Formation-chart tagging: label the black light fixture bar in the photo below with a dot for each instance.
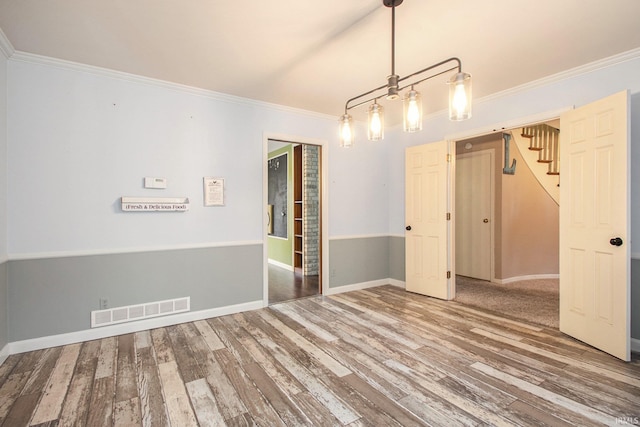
(458, 67)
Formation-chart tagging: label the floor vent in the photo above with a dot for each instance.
(130, 313)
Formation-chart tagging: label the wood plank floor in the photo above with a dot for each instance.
(285, 285)
(377, 357)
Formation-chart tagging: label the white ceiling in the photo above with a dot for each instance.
(315, 55)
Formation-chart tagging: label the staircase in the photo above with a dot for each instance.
(545, 140)
(539, 145)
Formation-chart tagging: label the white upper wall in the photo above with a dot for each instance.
(539, 99)
(80, 140)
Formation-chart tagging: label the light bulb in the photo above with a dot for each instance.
(346, 132)
(412, 111)
(376, 122)
(376, 125)
(460, 99)
(346, 135)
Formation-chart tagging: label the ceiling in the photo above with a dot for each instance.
(314, 55)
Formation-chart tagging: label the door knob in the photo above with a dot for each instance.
(486, 220)
(616, 241)
(408, 228)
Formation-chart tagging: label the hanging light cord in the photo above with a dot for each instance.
(393, 39)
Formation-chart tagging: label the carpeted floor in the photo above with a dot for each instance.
(535, 301)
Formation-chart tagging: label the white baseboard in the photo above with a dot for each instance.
(635, 345)
(4, 353)
(280, 264)
(126, 328)
(398, 283)
(356, 286)
(529, 277)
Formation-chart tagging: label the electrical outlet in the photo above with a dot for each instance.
(104, 303)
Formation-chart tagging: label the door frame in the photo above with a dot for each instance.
(492, 189)
(478, 132)
(324, 208)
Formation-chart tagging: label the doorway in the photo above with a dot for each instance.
(591, 230)
(523, 222)
(294, 218)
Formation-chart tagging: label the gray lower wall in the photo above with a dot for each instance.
(358, 260)
(396, 258)
(4, 316)
(56, 295)
(365, 259)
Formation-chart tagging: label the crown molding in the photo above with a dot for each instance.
(548, 80)
(10, 52)
(590, 67)
(5, 45)
(134, 78)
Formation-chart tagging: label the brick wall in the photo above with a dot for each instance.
(311, 209)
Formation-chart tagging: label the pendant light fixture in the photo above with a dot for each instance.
(346, 132)
(376, 122)
(459, 94)
(412, 109)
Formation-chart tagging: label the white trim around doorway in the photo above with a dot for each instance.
(324, 202)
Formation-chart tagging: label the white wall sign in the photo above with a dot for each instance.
(213, 191)
(155, 204)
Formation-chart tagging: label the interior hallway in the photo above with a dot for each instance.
(285, 285)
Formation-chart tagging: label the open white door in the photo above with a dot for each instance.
(427, 177)
(594, 225)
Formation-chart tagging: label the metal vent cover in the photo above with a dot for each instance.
(111, 316)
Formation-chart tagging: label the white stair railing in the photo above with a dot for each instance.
(539, 148)
(545, 140)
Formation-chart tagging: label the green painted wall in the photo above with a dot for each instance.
(279, 249)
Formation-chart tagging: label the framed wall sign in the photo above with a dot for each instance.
(213, 191)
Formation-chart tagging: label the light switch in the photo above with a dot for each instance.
(151, 182)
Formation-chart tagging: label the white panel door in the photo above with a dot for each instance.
(426, 245)
(474, 173)
(594, 213)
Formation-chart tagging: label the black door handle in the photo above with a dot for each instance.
(408, 228)
(616, 241)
